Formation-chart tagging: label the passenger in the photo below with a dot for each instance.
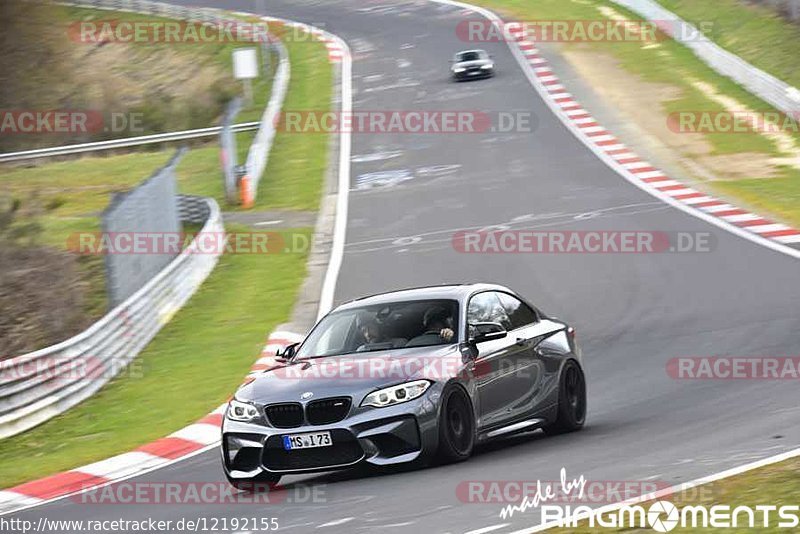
(371, 331)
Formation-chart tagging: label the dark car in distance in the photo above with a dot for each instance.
(471, 65)
(407, 375)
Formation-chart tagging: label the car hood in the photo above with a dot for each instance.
(352, 375)
(476, 63)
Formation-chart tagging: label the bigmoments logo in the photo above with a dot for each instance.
(663, 516)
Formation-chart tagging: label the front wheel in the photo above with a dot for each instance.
(456, 426)
(571, 401)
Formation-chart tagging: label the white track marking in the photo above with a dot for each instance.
(342, 200)
(336, 522)
(488, 529)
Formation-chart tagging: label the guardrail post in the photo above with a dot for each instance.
(246, 196)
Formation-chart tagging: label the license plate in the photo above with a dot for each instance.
(474, 72)
(309, 440)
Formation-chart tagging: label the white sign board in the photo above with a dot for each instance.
(245, 63)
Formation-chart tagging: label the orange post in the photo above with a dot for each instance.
(245, 194)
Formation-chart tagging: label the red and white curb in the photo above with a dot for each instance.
(195, 438)
(334, 45)
(629, 164)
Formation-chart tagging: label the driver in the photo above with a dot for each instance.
(438, 321)
(438, 328)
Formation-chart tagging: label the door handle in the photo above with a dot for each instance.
(522, 342)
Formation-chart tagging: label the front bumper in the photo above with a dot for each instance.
(473, 74)
(376, 436)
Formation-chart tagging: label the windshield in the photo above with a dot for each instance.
(472, 55)
(397, 325)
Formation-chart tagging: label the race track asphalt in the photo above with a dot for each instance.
(633, 312)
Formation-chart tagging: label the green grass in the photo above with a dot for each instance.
(309, 89)
(777, 196)
(756, 33)
(671, 64)
(192, 365)
(777, 485)
(200, 357)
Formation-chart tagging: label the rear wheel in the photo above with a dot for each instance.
(571, 401)
(456, 426)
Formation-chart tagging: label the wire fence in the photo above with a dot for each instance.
(37, 386)
(151, 208)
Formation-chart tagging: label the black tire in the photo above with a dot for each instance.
(571, 401)
(262, 483)
(456, 426)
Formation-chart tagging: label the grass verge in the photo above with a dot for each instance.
(752, 168)
(204, 352)
(756, 33)
(774, 485)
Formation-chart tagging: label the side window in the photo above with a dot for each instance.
(520, 313)
(487, 308)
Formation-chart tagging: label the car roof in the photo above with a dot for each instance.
(445, 291)
(475, 50)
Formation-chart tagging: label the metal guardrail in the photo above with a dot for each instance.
(778, 93)
(37, 386)
(127, 142)
(258, 155)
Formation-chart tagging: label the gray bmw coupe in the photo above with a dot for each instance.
(402, 376)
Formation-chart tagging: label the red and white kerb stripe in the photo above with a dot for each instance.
(640, 169)
(198, 435)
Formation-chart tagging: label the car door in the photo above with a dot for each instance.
(527, 332)
(500, 388)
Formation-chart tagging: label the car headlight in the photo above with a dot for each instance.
(242, 411)
(396, 394)
(459, 69)
(487, 66)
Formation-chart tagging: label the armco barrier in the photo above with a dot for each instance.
(125, 142)
(258, 154)
(40, 385)
(779, 94)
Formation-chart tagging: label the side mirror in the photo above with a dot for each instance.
(287, 353)
(487, 332)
